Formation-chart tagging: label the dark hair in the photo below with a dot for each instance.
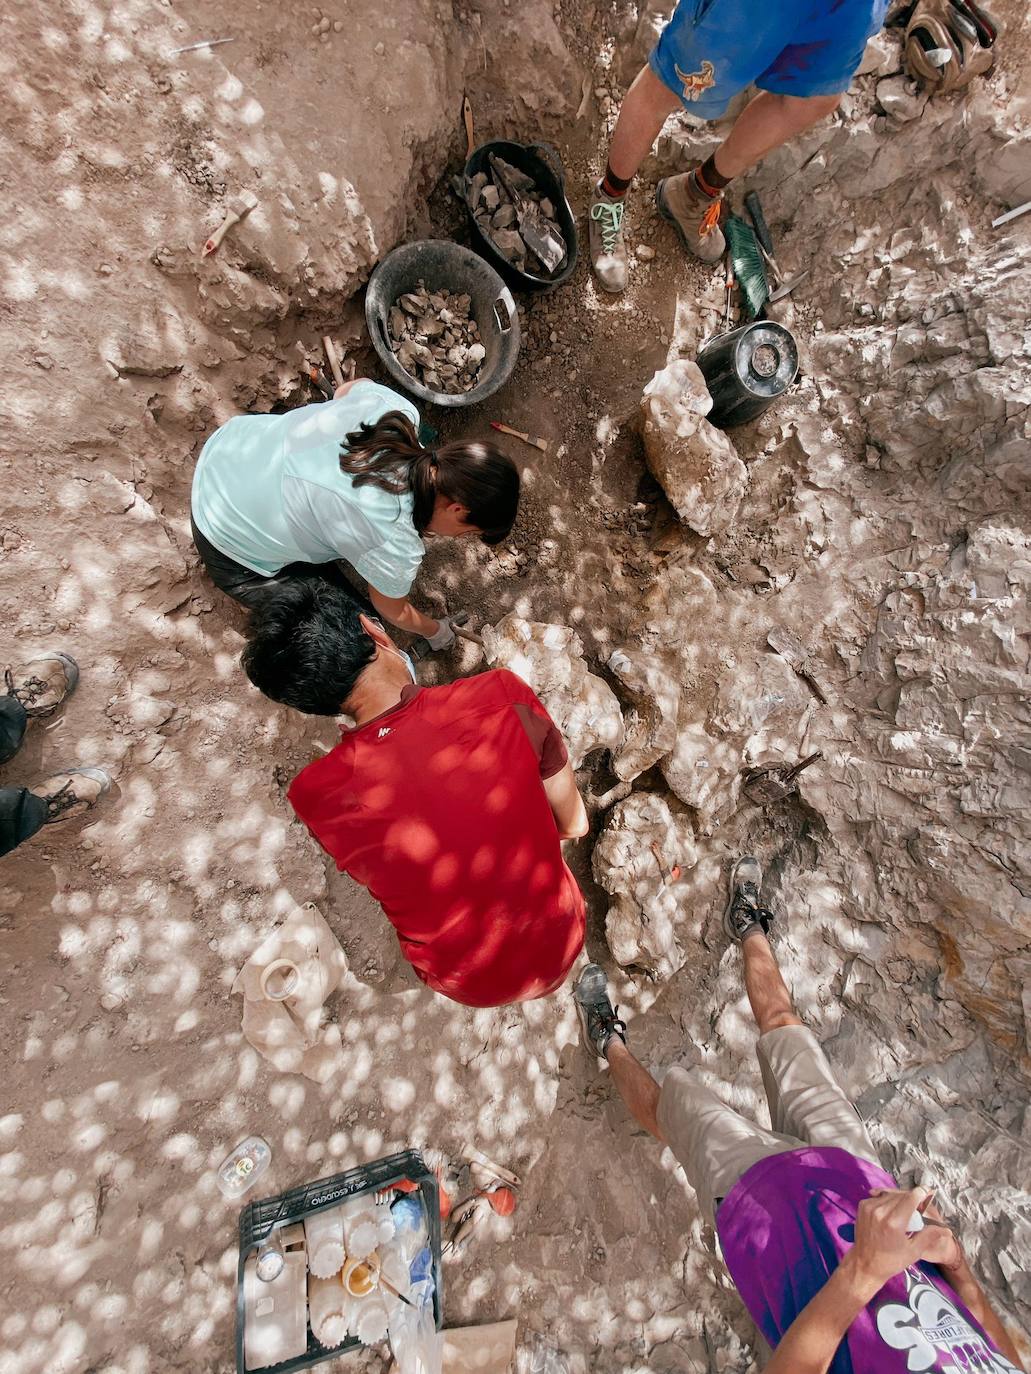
(475, 475)
(306, 647)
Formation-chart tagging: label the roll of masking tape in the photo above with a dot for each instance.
(279, 979)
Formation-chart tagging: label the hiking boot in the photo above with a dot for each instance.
(694, 215)
(745, 915)
(41, 684)
(608, 251)
(72, 792)
(598, 1018)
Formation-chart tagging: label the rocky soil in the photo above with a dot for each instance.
(880, 513)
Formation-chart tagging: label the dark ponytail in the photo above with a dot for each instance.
(476, 475)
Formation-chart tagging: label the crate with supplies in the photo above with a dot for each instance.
(345, 1261)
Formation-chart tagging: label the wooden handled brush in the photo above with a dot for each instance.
(542, 444)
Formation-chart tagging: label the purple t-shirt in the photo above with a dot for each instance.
(785, 1225)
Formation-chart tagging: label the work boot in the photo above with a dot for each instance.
(694, 215)
(608, 251)
(72, 792)
(598, 1018)
(41, 684)
(745, 914)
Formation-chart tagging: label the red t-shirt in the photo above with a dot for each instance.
(436, 806)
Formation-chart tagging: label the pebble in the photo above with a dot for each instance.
(600, 92)
(645, 252)
(316, 28)
(338, 26)
(323, 37)
(380, 49)
(324, 25)
(43, 360)
(105, 269)
(110, 1000)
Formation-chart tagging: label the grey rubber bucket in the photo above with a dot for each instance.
(440, 263)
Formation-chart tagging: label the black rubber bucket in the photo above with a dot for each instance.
(747, 369)
(441, 263)
(541, 162)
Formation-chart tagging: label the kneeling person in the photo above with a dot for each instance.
(448, 803)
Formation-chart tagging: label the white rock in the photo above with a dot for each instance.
(649, 909)
(549, 659)
(900, 98)
(651, 727)
(881, 55)
(695, 463)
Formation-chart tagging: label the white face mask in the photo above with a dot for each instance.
(411, 665)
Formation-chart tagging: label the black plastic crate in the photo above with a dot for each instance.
(258, 1220)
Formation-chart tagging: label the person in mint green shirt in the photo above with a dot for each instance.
(277, 497)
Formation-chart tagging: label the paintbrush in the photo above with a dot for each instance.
(542, 444)
(384, 1283)
(239, 208)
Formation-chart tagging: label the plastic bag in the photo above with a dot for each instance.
(414, 1340)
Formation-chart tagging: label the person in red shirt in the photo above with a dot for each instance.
(450, 804)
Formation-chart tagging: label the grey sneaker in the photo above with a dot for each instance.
(72, 792)
(42, 684)
(694, 215)
(608, 251)
(745, 915)
(598, 1018)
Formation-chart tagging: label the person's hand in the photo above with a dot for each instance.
(952, 1261)
(884, 1247)
(443, 637)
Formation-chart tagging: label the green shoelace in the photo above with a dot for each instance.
(609, 215)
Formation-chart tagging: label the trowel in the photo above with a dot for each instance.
(793, 653)
(777, 781)
(533, 228)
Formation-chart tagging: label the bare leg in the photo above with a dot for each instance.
(768, 995)
(637, 1087)
(645, 108)
(764, 124)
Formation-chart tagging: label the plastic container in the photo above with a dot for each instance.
(258, 1219)
(242, 1167)
(440, 263)
(746, 370)
(541, 162)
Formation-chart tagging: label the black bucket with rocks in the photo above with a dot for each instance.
(521, 220)
(443, 322)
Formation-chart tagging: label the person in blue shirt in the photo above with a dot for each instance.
(277, 497)
(801, 54)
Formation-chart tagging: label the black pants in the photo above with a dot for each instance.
(21, 811)
(251, 589)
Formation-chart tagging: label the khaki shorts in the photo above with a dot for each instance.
(807, 1107)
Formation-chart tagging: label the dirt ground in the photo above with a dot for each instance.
(885, 519)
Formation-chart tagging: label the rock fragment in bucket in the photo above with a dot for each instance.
(436, 340)
(517, 218)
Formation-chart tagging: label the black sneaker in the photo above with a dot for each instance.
(745, 913)
(597, 1015)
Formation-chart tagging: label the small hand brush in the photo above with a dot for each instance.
(531, 439)
(749, 268)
